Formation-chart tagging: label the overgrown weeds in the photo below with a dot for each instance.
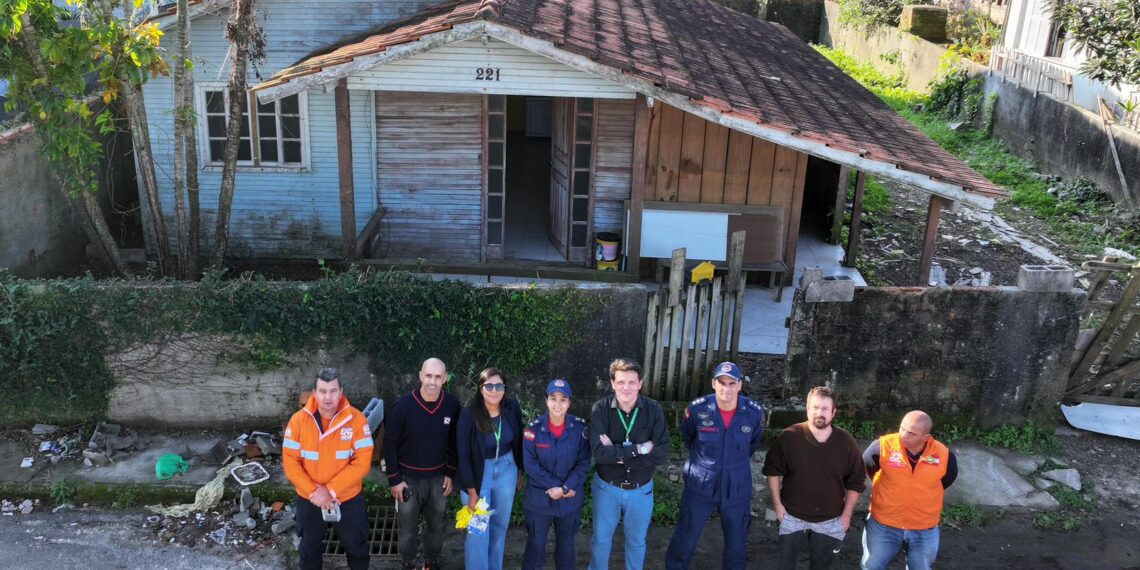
(963, 515)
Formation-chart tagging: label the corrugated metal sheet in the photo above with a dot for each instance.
(430, 175)
(614, 163)
(496, 68)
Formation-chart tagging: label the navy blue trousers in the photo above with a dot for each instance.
(696, 510)
(352, 530)
(565, 529)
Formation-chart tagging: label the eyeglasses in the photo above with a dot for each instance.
(494, 387)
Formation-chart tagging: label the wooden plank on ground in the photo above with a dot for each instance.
(929, 241)
(692, 157)
(669, 151)
(760, 172)
(736, 168)
(714, 162)
(856, 220)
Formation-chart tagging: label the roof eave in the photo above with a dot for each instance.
(168, 20)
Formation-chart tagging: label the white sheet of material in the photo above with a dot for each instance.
(1121, 421)
(703, 234)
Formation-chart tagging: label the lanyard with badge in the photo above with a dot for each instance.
(628, 427)
(498, 435)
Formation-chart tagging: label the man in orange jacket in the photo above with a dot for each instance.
(327, 451)
(909, 471)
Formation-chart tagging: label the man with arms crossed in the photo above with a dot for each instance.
(420, 458)
(815, 473)
(909, 471)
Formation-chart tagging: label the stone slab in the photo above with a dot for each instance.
(985, 479)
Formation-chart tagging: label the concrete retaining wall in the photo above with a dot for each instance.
(183, 382)
(990, 356)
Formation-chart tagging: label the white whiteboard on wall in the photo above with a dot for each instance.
(703, 234)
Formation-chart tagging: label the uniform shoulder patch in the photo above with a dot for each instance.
(535, 422)
(528, 434)
(697, 402)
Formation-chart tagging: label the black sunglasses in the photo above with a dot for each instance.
(497, 387)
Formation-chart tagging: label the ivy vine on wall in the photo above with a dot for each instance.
(55, 335)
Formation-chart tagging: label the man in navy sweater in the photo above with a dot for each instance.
(420, 459)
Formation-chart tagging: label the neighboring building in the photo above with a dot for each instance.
(479, 131)
(1033, 50)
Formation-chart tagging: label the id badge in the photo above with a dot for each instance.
(626, 443)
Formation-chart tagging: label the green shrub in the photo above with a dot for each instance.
(868, 14)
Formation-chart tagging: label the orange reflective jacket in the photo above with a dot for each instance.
(339, 458)
(906, 498)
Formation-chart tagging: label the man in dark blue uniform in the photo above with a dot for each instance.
(721, 431)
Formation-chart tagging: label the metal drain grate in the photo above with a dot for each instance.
(383, 536)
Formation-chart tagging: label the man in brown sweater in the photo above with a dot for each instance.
(815, 473)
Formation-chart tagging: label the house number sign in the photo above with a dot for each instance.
(486, 74)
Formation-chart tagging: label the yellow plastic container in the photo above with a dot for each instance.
(609, 265)
(702, 272)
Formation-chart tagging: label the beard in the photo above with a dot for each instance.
(820, 422)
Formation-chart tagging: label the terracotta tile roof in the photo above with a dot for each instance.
(753, 69)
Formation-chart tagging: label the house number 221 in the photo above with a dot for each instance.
(487, 74)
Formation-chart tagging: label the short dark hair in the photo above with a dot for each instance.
(822, 392)
(328, 374)
(624, 365)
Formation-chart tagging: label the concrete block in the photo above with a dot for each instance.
(830, 289)
(1045, 278)
(927, 22)
(809, 276)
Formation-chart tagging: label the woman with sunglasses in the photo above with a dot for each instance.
(489, 441)
(556, 454)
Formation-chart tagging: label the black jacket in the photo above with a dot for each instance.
(470, 442)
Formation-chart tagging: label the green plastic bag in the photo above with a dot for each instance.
(170, 465)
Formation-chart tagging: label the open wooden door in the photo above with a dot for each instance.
(560, 146)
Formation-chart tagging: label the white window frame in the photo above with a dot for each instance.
(254, 165)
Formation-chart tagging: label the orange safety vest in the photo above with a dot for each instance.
(339, 458)
(905, 498)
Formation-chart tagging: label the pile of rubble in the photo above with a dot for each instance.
(110, 443)
(247, 521)
(24, 507)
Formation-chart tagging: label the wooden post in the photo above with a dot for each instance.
(931, 239)
(1108, 329)
(676, 312)
(688, 326)
(700, 348)
(840, 203)
(652, 337)
(735, 284)
(856, 221)
(344, 167)
(735, 259)
(637, 185)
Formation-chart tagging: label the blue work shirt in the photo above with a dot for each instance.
(555, 462)
(719, 455)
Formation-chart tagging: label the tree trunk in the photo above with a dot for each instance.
(86, 206)
(181, 125)
(192, 169)
(244, 34)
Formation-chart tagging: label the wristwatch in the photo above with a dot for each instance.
(642, 450)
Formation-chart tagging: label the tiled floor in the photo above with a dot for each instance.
(763, 328)
(528, 201)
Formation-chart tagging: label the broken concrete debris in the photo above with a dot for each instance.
(44, 429)
(283, 524)
(24, 507)
(27, 462)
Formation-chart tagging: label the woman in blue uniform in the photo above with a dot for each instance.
(489, 442)
(556, 455)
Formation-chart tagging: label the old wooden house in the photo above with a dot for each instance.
(493, 132)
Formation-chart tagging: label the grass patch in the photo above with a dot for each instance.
(1060, 521)
(1026, 438)
(962, 515)
(1087, 225)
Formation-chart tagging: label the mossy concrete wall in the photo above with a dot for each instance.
(187, 381)
(993, 355)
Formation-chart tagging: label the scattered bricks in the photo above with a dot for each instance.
(244, 519)
(246, 500)
(218, 454)
(95, 458)
(267, 445)
(237, 446)
(277, 506)
(252, 451)
(285, 523)
(1045, 278)
(927, 22)
(26, 507)
(7, 506)
(44, 429)
(830, 289)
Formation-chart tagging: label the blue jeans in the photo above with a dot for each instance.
(881, 543)
(634, 508)
(485, 551)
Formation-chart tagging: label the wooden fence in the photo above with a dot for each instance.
(692, 327)
(1040, 75)
(1108, 370)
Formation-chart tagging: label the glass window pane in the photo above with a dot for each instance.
(292, 151)
(578, 235)
(245, 126)
(585, 105)
(290, 105)
(495, 154)
(582, 155)
(243, 150)
(265, 108)
(217, 150)
(495, 123)
(216, 125)
(494, 180)
(291, 127)
(215, 102)
(581, 183)
(495, 207)
(581, 209)
(494, 233)
(497, 102)
(268, 150)
(584, 126)
(267, 126)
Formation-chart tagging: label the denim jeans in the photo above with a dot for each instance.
(633, 508)
(881, 543)
(485, 551)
